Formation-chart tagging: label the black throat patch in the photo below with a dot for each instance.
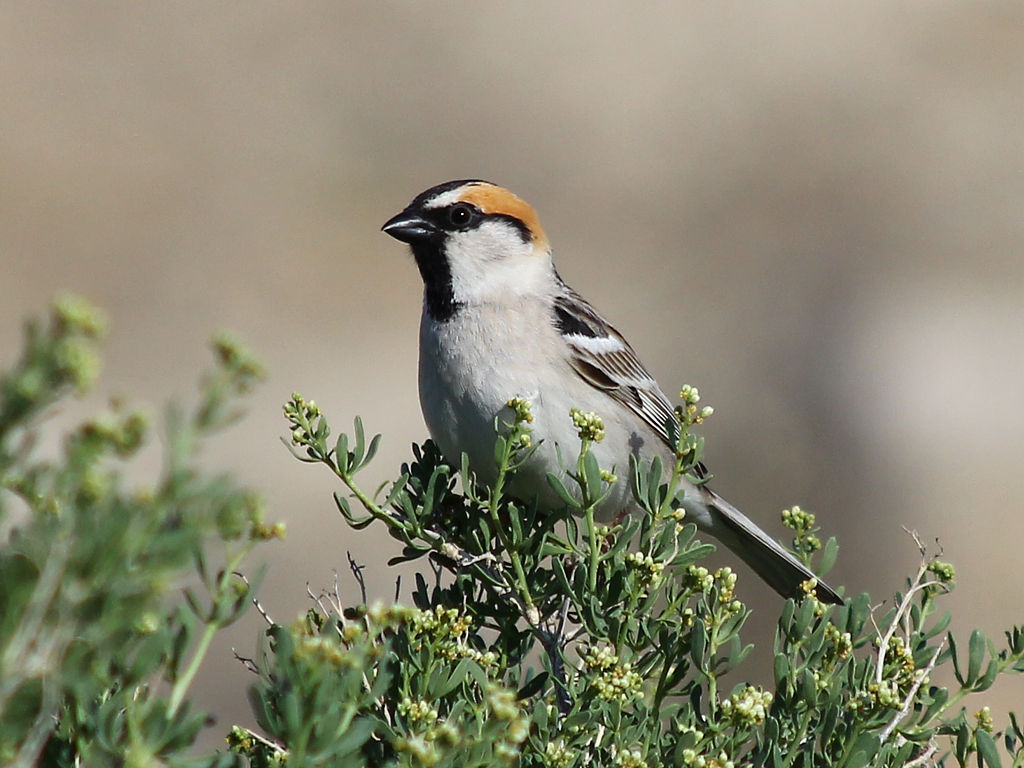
(437, 281)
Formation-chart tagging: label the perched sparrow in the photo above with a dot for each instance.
(498, 322)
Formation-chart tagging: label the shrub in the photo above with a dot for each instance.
(534, 637)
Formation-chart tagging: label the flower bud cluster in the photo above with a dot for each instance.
(244, 368)
(521, 413)
(323, 650)
(504, 706)
(613, 679)
(726, 579)
(883, 695)
(589, 425)
(123, 433)
(686, 617)
(900, 660)
(648, 569)
(245, 742)
(422, 748)
(747, 707)
(984, 719)
(440, 624)
(842, 642)
(521, 416)
(801, 522)
(445, 628)
(693, 759)
(65, 355)
(943, 571)
(261, 531)
(418, 713)
(630, 758)
(558, 755)
(76, 316)
(723, 581)
(699, 578)
(77, 362)
(384, 616)
(809, 588)
(301, 414)
(688, 413)
(899, 676)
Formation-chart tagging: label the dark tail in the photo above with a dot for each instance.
(779, 569)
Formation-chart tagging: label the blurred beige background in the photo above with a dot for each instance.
(814, 212)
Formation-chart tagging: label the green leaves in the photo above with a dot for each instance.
(539, 636)
(97, 659)
(979, 647)
(380, 685)
(303, 705)
(618, 641)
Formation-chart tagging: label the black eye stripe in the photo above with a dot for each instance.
(443, 218)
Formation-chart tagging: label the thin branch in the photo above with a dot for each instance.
(357, 571)
(247, 662)
(318, 599)
(554, 646)
(908, 701)
(335, 597)
(903, 609)
(255, 601)
(925, 757)
(269, 743)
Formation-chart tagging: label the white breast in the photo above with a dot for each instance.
(469, 368)
(472, 364)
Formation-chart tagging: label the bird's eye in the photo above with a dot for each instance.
(460, 215)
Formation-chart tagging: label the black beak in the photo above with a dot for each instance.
(410, 227)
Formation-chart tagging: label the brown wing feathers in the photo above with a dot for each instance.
(603, 358)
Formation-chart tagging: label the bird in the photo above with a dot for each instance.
(499, 322)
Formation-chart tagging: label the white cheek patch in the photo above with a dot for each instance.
(492, 261)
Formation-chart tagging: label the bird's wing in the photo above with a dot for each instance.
(604, 359)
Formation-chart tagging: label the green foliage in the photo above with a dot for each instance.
(534, 637)
(381, 685)
(97, 650)
(620, 648)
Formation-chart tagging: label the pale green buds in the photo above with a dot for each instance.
(589, 425)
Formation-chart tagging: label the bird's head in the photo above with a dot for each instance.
(474, 243)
